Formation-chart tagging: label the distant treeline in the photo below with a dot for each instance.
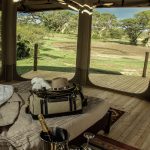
(32, 27)
(104, 25)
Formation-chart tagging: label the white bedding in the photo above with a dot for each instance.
(24, 134)
(6, 91)
(9, 111)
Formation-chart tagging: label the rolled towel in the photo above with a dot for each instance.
(39, 83)
(36, 80)
(36, 86)
(46, 85)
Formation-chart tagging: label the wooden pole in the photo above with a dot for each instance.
(35, 57)
(83, 48)
(9, 14)
(145, 64)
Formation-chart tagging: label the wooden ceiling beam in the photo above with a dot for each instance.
(51, 4)
(77, 4)
(42, 9)
(32, 2)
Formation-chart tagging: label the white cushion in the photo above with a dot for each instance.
(6, 91)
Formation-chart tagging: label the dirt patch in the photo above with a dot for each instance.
(65, 45)
(118, 49)
(108, 48)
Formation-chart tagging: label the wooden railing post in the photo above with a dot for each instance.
(35, 57)
(145, 64)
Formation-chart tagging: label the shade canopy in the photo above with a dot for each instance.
(41, 5)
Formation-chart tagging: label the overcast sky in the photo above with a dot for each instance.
(122, 13)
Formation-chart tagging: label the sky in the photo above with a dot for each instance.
(122, 13)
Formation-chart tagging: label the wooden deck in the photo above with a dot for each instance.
(123, 83)
(131, 84)
(47, 75)
(133, 128)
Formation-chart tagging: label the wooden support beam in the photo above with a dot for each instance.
(83, 46)
(9, 13)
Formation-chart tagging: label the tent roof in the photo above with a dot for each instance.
(40, 5)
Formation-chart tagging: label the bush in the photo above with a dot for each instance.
(23, 48)
(116, 33)
(31, 34)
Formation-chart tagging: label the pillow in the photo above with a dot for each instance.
(6, 91)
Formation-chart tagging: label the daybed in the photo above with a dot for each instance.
(24, 133)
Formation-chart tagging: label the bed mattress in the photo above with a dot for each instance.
(24, 133)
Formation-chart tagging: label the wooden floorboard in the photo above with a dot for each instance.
(133, 127)
(124, 83)
(130, 84)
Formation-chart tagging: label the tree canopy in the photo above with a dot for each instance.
(33, 27)
(103, 24)
(134, 27)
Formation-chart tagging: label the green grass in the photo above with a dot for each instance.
(50, 57)
(117, 65)
(58, 53)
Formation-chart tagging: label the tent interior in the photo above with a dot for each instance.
(107, 96)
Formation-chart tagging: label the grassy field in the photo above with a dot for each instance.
(58, 53)
(51, 57)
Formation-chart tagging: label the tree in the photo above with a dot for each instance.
(146, 40)
(135, 26)
(71, 26)
(103, 23)
(55, 21)
(116, 33)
